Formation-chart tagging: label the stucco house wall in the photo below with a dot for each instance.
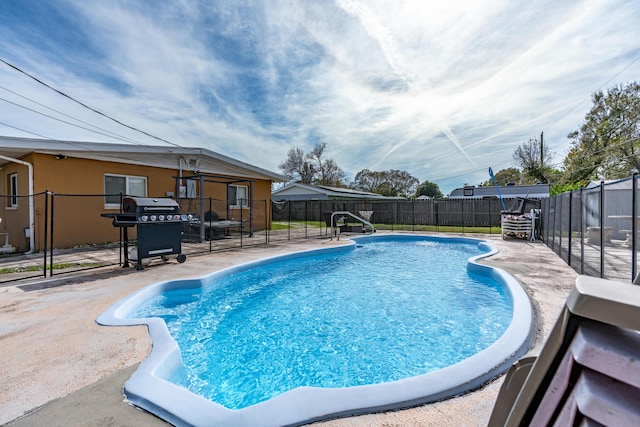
(78, 187)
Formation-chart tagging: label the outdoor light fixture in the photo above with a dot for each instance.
(60, 157)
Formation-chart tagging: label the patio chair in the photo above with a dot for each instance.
(587, 373)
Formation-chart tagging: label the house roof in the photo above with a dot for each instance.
(537, 191)
(300, 191)
(187, 158)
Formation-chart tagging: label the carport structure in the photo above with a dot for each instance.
(234, 205)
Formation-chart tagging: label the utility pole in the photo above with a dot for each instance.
(541, 151)
(542, 157)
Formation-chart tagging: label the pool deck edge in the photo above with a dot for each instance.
(546, 278)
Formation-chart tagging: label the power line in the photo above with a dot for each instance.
(55, 118)
(86, 106)
(594, 167)
(24, 130)
(115, 135)
(589, 97)
(617, 144)
(554, 122)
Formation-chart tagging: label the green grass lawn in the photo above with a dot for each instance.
(283, 225)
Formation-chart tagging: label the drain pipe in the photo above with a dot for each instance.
(31, 209)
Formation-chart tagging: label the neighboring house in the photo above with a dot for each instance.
(538, 191)
(100, 172)
(300, 191)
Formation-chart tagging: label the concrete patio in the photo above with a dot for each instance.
(61, 368)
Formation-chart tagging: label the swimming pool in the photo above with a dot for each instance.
(404, 387)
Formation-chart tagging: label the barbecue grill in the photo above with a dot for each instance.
(159, 227)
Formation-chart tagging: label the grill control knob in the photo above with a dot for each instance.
(144, 218)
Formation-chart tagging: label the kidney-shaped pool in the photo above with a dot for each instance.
(387, 322)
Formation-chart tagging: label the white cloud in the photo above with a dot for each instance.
(443, 90)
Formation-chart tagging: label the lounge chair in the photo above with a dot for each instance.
(213, 226)
(587, 373)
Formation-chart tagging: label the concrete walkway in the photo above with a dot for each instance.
(60, 368)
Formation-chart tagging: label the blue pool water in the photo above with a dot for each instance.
(388, 309)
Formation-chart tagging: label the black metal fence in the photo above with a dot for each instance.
(406, 215)
(595, 230)
(69, 235)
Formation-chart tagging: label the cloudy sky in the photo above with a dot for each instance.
(440, 89)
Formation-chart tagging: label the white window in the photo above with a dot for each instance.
(238, 196)
(13, 190)
(127, 185)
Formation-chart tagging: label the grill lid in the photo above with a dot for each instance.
(149, 204)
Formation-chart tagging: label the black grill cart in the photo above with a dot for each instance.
(159, 227)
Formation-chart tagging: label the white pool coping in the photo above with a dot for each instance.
(147, 389)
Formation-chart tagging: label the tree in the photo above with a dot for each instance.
(607, 145)
(505, 176)
(331, 174)
(388, 183)
(296, 168)
(312, 168)
(367, 180)
(527, 157)
(327, 170)
(429, 189)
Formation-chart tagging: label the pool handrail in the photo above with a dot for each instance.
(356, 217)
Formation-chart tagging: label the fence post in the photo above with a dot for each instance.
(542, 218)
(46, 221)
(202, 219)
(395, 215)
(51, 237)
(413, 215)
(251, 216)
(560, 233)
(306, 219)
(268, 219)
(289, 219)
(601, 229)
(570, 228)
(241, 219)
(553, 227)
(582, 208)
(634, 226)
(201, 214)
(475, 212)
